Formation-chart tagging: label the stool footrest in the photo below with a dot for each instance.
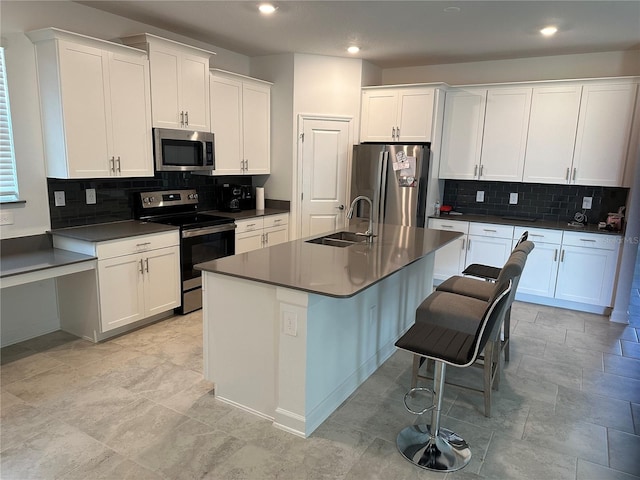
(410, 393)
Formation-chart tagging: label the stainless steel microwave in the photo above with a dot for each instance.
(183, 150)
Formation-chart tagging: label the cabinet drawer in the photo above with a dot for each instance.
(450, 225)
(276, 220)
(141, 243)
(592, 240)
(249, 225)
(542, 235)
(491, 230)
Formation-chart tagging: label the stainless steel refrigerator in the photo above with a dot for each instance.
(394, 177)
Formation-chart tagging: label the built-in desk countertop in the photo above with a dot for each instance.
(333, 271)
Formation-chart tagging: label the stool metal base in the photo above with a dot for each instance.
(448, 453)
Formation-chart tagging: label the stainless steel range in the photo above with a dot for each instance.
(203, 237)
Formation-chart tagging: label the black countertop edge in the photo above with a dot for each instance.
(551, 225)
(247, 213)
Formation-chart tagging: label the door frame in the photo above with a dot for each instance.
(296, 203)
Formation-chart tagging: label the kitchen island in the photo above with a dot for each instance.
(292, 330)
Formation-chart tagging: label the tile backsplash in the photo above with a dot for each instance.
(535, 200)
(114, 197)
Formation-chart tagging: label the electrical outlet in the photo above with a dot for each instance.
(290, 324)
(59, 199)
(6, 217)
(90, 193)
(513, 198)
(480, 196)
(586, 202)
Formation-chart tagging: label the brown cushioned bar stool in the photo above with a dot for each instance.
(430, 446)
(488, 272)
(482, 290)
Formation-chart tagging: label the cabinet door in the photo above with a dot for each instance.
(161, 280)
(552, 133)
(415, 111)
(165, 85)
(87, 120)
(226, 124)
(256, 128)
(505, 134)
(462, 134)
(379, 109)
(276, 235)
(604, 128)
(586, 275)
(121, 291)
(194, 92)
(488, 250)
(131, 114)
(540, 271)
(449, 260)
(248, 241)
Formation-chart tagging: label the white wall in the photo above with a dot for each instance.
(18, 17)
(588, 65)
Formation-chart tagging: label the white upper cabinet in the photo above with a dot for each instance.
(604, 129)
(552, 133)
(397, 114)
(462, 134)
(96, 109)
(179, 82)
(505, 134)
(241, 123)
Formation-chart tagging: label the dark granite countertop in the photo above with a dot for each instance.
(333, 271)
(523, 222)
(102, 232)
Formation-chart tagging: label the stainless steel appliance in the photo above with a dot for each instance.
(394, 177)
(182, 150)
(203, 237)
(230, 197)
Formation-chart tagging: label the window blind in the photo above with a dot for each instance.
(8, 177)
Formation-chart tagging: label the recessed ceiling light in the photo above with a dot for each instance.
(549, 31)
(452, 9)
(353, 49)
(266, 8)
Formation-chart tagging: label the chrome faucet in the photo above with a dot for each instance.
(369, 233)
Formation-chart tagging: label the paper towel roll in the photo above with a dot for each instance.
(259, 198)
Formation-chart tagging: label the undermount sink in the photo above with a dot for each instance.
(339, 239)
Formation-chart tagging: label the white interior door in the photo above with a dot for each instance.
(325, 153)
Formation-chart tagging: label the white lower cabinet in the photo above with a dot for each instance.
(138, 277)
(570, 266)
(489, 244)
(450, 259)
(261, 232)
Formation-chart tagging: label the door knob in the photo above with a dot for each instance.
(340, 207)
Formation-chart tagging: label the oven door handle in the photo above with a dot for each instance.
(198, 232)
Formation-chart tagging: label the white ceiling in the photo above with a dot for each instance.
(396, 33)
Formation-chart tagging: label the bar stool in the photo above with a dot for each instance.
(482, 290)
(430, 446)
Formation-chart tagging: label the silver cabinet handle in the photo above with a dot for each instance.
(475, 171)
(141, 267)
(118, 162)
(566, 177)
(587, 240)
(143, 244)
(112, 161)
(146, 263)
(489, 230)
(186, 118)
(555, 254)
(536, 235)
(393, 133)
(469, 244)
(398, 133)
(246, 165)
(447, 226)
(562, 256)
(182, 118)
(463, 243)
(277, 220)
(481, 169)
(574, 173)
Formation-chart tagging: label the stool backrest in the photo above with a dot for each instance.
(522, 238)
(493, 316)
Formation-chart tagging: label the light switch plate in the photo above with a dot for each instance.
(587, 202)
(513, 198)
(91, 196)
(480, 196)
(6, 217)
(290, 324)
(59, 199)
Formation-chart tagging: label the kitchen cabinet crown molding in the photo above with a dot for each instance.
(147, 38)
(239, 76)
(53, 33)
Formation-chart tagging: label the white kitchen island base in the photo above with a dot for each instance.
(292, 356)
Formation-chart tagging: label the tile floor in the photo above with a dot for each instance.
(137, 407)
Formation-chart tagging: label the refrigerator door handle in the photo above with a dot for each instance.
(382, 182)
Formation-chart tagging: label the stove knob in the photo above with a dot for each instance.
(152, 199)
(145, 200)
(195, 196)
(190, 196)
